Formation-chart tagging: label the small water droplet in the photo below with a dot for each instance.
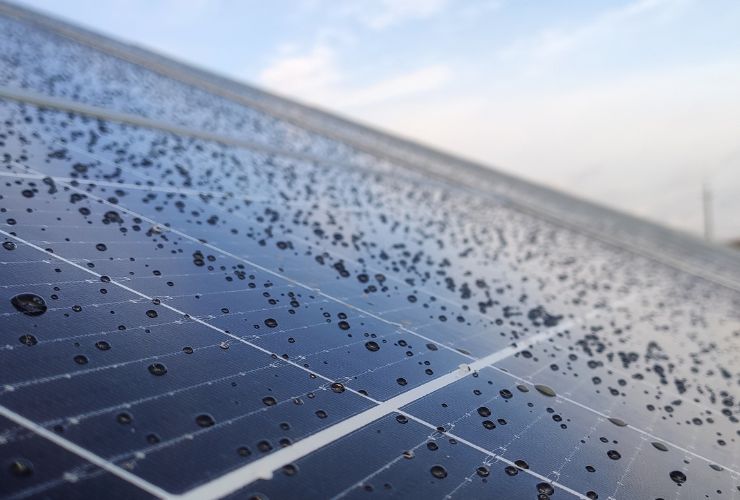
(21, 467)
(438, 471)
(157, 369)
(337, 387)
(28, 340)
(613, 454)
(543, 389)
(372, 346)
(617, 421)
(204, 420)
(545, 489)
(152, 313)
(102, 345)
(659, 446)
(9, 245)
(678, 477)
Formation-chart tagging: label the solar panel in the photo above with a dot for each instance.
(208, 295)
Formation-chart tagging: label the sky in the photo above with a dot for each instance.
(630, 103)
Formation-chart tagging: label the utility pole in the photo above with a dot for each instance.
(708, 215)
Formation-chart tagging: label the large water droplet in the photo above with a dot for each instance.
(29, 304)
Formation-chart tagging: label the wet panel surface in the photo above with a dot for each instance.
(182, 308)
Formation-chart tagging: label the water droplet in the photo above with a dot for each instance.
(618, 422)
(505, 393)
(543, 389)
(29, 304)
(157, 369)
(716, 467)
(187, 350)
(80, 359)
(678, 477)
(522, 388)
(9, 245)
(613, 454)
(290, 470)
(102, 345)
(402, 419)
(337, 387)
(204, 420)
(408, 455)
(152, 313)
(20, 467)
(521, 464)
(545, 489)
(659, 446)
(482, 471)
(271, 323)
(438, 471)
(372, 346)
(28, 340)
(124, 418)
(592, 495)
(511, 471)
(101, 247)
(484, 411)
(269, 401)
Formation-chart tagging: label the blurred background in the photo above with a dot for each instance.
(632, 103)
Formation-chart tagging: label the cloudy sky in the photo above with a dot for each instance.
(632, 103)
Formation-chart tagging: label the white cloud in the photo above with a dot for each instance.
(317, 77)
(551, 43)
(379, 14)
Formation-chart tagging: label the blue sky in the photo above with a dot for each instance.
(633, 103)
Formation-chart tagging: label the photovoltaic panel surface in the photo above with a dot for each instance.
(202, 299)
